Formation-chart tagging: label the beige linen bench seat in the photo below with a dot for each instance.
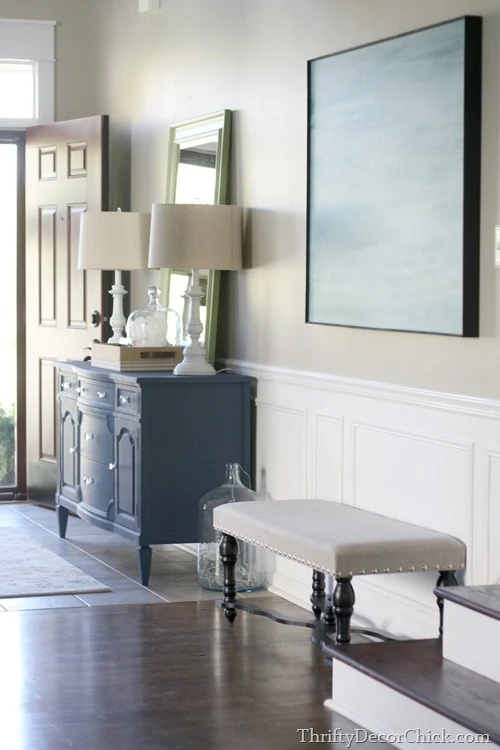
(336, 540)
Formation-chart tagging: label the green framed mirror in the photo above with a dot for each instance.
(197, 172)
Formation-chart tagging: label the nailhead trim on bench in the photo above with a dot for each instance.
(410, 569)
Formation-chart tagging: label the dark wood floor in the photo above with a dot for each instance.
(157, 677)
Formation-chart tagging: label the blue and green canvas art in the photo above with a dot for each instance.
(393, 225)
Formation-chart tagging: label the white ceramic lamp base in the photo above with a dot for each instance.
(117, 320)
(194, 362)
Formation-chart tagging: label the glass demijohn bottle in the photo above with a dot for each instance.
(250, 567)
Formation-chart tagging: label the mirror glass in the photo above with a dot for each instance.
(197, 172)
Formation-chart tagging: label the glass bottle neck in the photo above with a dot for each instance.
(233, 474)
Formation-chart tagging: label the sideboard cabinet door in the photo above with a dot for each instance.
(68, 448)
(127, 472)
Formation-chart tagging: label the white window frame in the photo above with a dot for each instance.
(31, 41)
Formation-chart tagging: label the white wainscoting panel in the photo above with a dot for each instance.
(326, 447)
(493, 529)
(282, 448)
(412, 475)
(420, 456)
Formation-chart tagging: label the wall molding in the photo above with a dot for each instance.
(482, 407)
(420, 435)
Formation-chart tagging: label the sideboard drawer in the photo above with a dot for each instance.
(127, 400)
(96, 393)
(96, 487)
(68, 382)
(96, 436)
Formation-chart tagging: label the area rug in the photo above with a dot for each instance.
(28, 569)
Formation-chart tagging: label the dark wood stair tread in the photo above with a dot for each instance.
(417, 669)
(483, 599)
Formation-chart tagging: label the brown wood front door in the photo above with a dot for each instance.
(66, 174)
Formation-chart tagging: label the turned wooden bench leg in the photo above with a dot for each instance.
(343, 607)
(229, 556)
(318, 593)
(446, 578)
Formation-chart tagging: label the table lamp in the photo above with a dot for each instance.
(112, 240)
(195, 236)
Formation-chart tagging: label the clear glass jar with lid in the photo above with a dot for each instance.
(250, 568)
(154, 325)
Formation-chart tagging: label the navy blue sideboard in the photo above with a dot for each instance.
(138, 450)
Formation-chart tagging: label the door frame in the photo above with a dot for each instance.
(18, 137)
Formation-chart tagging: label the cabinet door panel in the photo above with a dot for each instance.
(68, 447)
(127, 436)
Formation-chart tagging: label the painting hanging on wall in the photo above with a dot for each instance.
(394, 183)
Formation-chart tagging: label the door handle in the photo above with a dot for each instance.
(95, 318)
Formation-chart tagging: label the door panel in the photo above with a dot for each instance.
(47, 419)
(66, 174)
(77, 308)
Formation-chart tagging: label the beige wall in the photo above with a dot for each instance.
(197, 57)
(75, 75)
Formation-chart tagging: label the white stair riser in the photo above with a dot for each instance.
(399, 720)
(470, 639)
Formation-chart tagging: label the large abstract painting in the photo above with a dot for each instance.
(394, 183)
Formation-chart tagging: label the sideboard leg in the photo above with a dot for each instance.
(62, 520)
(144, 556)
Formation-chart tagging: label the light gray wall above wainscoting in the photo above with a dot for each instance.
(194, 58)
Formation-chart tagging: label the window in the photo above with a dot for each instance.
(17, 90)
(26, 72)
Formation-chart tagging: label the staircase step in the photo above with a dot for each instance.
(408, 685)
(482, 599)
(472, 628)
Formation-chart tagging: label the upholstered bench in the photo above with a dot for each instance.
(333, 539)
